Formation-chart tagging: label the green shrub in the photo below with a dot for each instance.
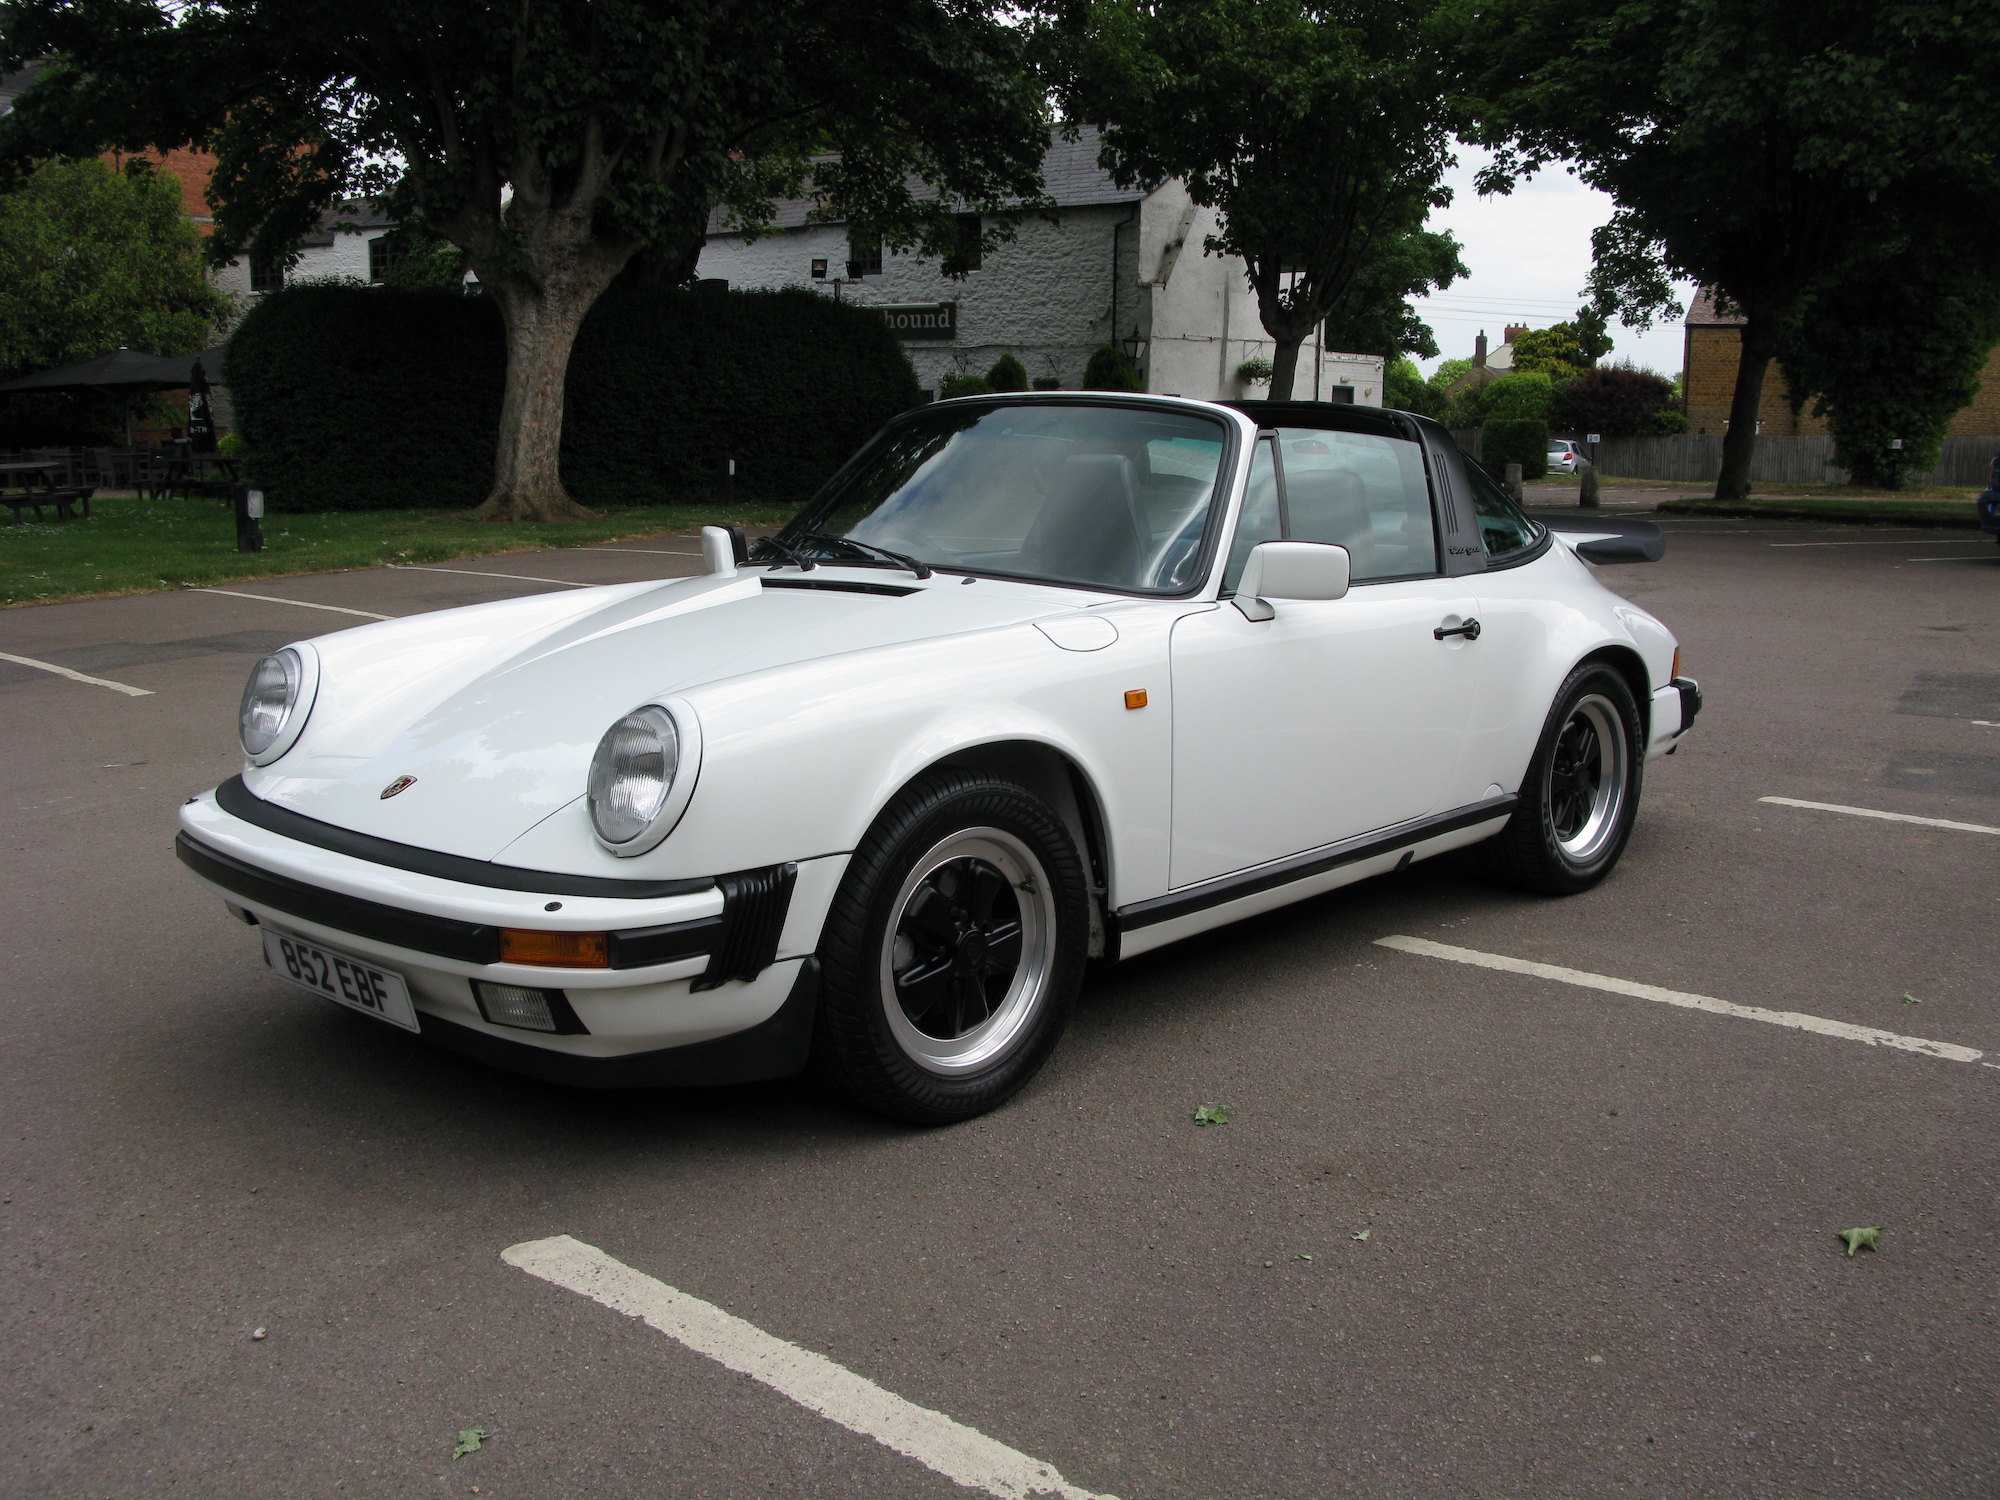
(1048, 383)
(1515, 440)
(1524, 394)
(357, 398)
(231, 445)
(1665, 422)
(1110, 370)
(954, 386)
(1405, 389)
(1254, 371)
(1007, 374)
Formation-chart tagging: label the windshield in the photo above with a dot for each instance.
(1102, 496)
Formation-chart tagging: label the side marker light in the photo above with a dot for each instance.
(1135, 697)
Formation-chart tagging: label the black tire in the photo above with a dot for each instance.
(920, 1019)
(1580, 796)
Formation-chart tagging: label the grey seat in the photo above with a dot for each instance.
(1090, 529)
(1331, 505)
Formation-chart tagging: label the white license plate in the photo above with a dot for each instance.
(342, 978)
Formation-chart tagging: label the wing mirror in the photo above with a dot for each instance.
(1290, 570)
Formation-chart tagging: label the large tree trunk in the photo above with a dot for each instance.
(541, 323)
(1739, 443)
(1285, 366)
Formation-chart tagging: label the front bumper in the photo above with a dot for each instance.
(712, 983)
(1674, 710)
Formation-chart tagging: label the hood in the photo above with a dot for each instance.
(496, 709)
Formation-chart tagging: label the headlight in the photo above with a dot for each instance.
(270, 701)
(632, 775)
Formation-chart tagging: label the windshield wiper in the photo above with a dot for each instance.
(916, 565)
(789, 553)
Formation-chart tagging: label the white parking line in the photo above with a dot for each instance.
(475, 573)
(339, 609)
(958, 1452)
(1870, 812)
(49, 666)
(1948, 559)
(1794, 1019)
(650, 551)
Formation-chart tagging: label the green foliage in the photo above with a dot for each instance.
(1515, 440)
(1007, 374)
(421, 262)
(232, 445)
(1246, 100)
(1376, 317)
(91, 260)
(1556, 352)
(1405, 389)
(1615, 400)
(1521, 394)
(1254, 371)
(1666, 422)
(953, 386)
(1048, 382)
(1868, 1237)
(1448, 371)
(1211, 1114)
(363, 398)
(1110, 370)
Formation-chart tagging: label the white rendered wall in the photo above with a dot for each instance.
(347, 256)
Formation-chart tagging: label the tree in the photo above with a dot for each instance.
(1556, 351)
(1617, 401)
(1891, 352)
(92, 259)
(1317, 129)
(1758, 148)
(552, 144)
(1375, 315)
(1405, 389)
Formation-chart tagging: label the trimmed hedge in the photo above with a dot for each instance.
(359, 398)
(1515, 440)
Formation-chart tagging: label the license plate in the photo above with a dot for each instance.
(342, 978)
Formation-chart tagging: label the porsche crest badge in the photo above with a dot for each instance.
(400, 784)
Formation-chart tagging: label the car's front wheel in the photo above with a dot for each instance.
(1581, 794)
(953, 950)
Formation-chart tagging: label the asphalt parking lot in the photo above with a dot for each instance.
(1469, 1230)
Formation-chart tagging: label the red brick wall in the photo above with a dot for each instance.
(1709, 376)
(190, 168)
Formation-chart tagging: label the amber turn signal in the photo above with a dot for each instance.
(1677, 662)
(1135, 697)
(555, 950)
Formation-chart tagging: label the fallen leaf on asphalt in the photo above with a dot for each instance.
(469, 1441)
(256, 1333)
(1909, 999)
(1301, 1257)
(1362, 1235)
(1211, 1114)
(1860, 1239)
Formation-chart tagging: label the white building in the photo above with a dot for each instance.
(357, 251)
(1118, 261)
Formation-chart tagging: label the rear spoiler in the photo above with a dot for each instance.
(1606, 539)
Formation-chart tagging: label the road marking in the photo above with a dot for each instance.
(339, 609)
(1794, 1019)
(1948, 559)
(49, 666)
(475, 573)
(958, 1452)
(1901, 541)
(1870, 812)
(650, 551)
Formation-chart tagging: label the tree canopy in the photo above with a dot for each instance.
(551, 142)
(1317, 129)
(93, 259)
(1759, 149)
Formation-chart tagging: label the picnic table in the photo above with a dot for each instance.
(22, 471)
(191, 472)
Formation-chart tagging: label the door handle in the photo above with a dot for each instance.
(1470, 630)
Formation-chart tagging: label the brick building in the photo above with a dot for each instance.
(1709, 351)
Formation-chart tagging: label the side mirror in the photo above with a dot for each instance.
(1291, 570)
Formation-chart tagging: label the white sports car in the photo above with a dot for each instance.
(1033, 680)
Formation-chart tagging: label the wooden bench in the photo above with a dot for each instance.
(65, 502)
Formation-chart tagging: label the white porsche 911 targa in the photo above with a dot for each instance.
(1033, 680)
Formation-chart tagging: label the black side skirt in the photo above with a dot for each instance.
(1304, 866)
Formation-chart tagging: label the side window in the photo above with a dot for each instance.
(1502, 527)
(1259, 521)
(1364, 492)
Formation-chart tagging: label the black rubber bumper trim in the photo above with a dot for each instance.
(1304, 866)
(776, 1047)
(239, 801)
(470, 942)
(1690, 691)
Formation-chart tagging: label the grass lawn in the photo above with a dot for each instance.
(130, 545)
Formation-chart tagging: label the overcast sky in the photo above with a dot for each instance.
(1529, 253)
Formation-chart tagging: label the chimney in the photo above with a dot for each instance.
(1515, 330)
(1479, 351)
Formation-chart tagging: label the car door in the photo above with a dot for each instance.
(1334, 717)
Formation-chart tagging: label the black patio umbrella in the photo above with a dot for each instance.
(122, 370)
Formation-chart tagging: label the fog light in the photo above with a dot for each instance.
(530, 1010)
(554, 950)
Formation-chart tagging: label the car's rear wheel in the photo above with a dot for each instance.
(1581, 794)
(953, 950)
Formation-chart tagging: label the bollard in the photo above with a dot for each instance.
(249, 507)
(1514, 482)
(1587, 491)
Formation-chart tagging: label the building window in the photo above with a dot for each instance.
(864, 255)
(966, 257)
(266, 275)
(381, 256)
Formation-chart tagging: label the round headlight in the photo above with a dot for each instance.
(632, 774)
(269, 699)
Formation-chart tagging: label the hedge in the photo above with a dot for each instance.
(360, 398)
(1515, 440)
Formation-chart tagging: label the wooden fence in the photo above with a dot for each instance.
(1697, 459)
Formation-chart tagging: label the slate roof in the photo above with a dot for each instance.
(13, 85)
(1070, 174)
(1702, 311)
